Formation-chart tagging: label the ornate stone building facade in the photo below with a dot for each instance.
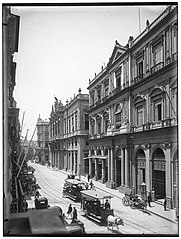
(42, 150)
(133, 113)
(69, 127)
(11, 127)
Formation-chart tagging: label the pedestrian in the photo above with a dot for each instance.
(69, 212)
(87, 186)
(88, 177)
(74, 219)
(25, 206)
(37, 194)
(165, 204)
(149, 200)
(91, 184)
(107, 204)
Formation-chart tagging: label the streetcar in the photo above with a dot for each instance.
(94, 203)
(72, 189)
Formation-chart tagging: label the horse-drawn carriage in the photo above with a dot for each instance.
(133, 200)
(72, 189)
(96, 205)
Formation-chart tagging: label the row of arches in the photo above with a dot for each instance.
(158, 163)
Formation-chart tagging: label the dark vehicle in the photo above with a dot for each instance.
(41, 202)
(94, 205)
(72, 189)
(47, 222)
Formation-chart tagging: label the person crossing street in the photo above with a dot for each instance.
(69, 212)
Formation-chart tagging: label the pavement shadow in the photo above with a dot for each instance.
(147, 212)
(92, 220)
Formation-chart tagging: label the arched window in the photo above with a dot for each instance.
(118, 116)
(98, 119)
(92, 123)
(106, 120)
(157, 104)
(139, 109)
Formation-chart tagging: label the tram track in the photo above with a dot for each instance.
(50, 190)
(51, 193)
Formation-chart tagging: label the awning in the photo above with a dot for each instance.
(96, 157)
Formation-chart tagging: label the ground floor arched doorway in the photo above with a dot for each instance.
(158, 173)
(140, 169)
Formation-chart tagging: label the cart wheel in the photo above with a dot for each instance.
(123, 201)
(131, 204)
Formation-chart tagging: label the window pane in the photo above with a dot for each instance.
(140, 115)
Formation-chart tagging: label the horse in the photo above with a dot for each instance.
(114, 222)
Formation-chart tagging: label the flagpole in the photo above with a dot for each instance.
(26, 153)
(139, 18)
(22, 123)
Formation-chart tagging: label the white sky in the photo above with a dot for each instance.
(60, 48)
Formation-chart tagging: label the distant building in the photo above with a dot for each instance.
(133, 112)
(42, 141)
(69, 133)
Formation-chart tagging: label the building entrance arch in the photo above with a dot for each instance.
(158, 173)
(118, 168)
(140, 169)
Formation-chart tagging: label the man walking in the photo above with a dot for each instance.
(69, 212)
(74, 219)
(91, 184)
(149, 200)
(165, 204)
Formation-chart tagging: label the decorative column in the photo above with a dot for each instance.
(148, 169)
(103, 170)
(122, 166)
(168, 176)
(115, 174)
(71, 163)
(90, 167)
(109, 164)
(58, 158)
(96, 169)
(53, 158)
(75, 163)
(126, 167)
(112, 169)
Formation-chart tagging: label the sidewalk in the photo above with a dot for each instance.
(156, 208)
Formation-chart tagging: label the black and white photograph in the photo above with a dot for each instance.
(90, 119)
